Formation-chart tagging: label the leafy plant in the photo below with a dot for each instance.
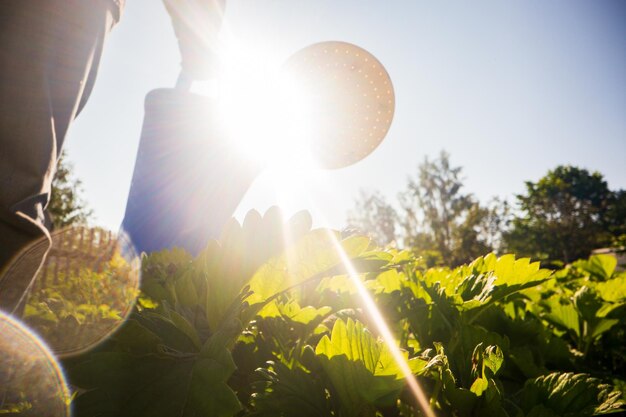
(270, 321)
(181, 349)
(569, 394)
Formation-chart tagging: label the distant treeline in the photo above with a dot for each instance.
(560, 218)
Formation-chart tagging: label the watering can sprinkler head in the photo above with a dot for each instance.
(351, 99)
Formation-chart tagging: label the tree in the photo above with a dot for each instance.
(563, 216)
(67, 206)
(616, 218)
(496, 224)
(374, 216)
(438, 221)
(439, 217)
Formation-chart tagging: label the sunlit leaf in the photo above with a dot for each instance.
(315, 254)
(600, 267)
(569, 394)
(613, 290)
(562, 314)
(479, 386)
(361, 368)
(493, 358)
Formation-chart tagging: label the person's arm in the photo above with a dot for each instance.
(197, 24)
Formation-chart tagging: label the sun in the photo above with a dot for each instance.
(331, 102)
(263, 110)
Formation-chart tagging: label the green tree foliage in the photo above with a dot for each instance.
(560, 218)
(437, 219)
(616, 218)
(433, 203)
(67, 206)
(496, 224)
(565, 215)
(438, 216)
(374, 216)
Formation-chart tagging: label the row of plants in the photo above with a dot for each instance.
(270, 321)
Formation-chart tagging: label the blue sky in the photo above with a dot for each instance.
(509, 89)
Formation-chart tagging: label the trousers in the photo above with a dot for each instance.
(49, 56)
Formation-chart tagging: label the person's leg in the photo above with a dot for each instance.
(49, 53)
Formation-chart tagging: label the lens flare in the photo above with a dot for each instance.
(84, 290)
(372, 310)
(384, 330)
(31, 382)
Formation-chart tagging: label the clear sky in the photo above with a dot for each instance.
(509, 89)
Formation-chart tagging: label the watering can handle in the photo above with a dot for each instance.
(184, 81)
(197, 25)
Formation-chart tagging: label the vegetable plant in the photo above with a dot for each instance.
(269, 320)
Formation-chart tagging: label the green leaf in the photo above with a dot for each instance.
(161, 324)
(600, 267)
(339, 284)
(313, 256)
(186, 292)
(307, 314)
(137, 338)
(603, 326)
(493, 358)
(490, 358)
(613, 290)
(386, 282)
(587, 303)
(209, 392)
(486, 280)
(569, 394)
(290, 392)
(562, 314)
(479, 386)
(123, 385)
(361, 368)
(183, 325)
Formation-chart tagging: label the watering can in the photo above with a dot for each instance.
(188, 181)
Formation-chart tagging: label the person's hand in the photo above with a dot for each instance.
(197, 24)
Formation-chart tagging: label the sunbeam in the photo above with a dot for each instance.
(383, 329)
(372, 310)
